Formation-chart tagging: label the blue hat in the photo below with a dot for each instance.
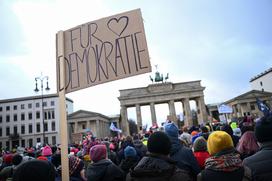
(130, 152)
(171, 130)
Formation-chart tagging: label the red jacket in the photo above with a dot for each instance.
(201, 157)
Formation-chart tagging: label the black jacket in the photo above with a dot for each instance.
(261, 163)
(104, 170)
(157, 168)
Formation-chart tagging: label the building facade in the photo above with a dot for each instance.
(81, 122)
(263, 81)
(21, 120)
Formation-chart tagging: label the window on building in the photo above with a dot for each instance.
(30, 142)
(22, 129)
(261, 83)
(7, 108)
(30, 128)
(53, 126)
(15, 130)
(49, 114)
(15, 107)
(54, 141)
(1, 132)
(22, 106)
(46, 139)
(15, 117)
(45, 115)
(37, 104)
(252, 107)
(53, 114)
(22, 116)
(29, 106)
(44, 104)
(1, 146)
(38, 140)
(38, 127)
(52, 103)
(38, 115)
(45, 126)
(1, 109)
(83, 126)
(1, 119)
(262, 90)
(23, 143)
(29, 115)
(7, 131)
(7, 118)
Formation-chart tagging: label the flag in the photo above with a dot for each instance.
(113, 128)
(263, 107)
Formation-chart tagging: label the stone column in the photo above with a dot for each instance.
(76, 127)
(139, 117)
(234, 110)
(249, 108)
(239, 113)
(124, 121)
(97, 128)
(88, 124)
(172, 111)
(203, 116)
(153, 113)
(187, 110)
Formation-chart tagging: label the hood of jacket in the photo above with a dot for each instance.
(96, 171)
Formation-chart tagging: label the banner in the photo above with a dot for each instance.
(223, 108)
(104, 50)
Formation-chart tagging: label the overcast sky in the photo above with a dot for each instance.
(222, 43)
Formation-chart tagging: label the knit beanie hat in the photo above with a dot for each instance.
(130, 152)
(200, 144)
(219, 141)
(34, 170)
(263, 129)
(47, 151)
(159, 143)
(171, 130)
(17, 159)
(8, 158)
(98, 152)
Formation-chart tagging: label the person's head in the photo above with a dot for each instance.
(7, 159)
(17, 159)
(171, 130)
(227, 129)
(75, 165)
(237, 132)
(130, 152)
(185, 129)
(98, 152)
(159, 143)
(248, 143)
(34, 170)
(200, 144)
(219, 141)
(46, 151)
(263, 129)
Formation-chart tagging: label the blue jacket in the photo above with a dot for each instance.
(184, 157)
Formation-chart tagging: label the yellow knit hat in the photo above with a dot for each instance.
(219, 141)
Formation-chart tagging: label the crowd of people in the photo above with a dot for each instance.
(235, 151)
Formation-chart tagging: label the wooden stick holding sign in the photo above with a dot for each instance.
(93, 53)
(62, 108)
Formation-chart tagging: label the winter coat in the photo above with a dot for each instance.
(157, 168)
(261, 163)
(224, 166)
(104, 170)
(201, 157)
(184, 157)
(140, 147)
(128, 163)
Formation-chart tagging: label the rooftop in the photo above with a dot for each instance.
(261, 74)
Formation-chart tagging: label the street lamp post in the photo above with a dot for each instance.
(42, 78)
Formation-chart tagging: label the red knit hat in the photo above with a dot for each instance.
(98, 152)
(8, 158)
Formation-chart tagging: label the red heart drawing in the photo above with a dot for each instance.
(118, 26)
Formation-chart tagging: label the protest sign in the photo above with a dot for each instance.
(104, 50)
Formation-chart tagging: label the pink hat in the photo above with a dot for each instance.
(98, 152)
(112, 147)
(47, 151)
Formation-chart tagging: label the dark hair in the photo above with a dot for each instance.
(17, 159)
(159, 143)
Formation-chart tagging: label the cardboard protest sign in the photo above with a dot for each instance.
(104, 50)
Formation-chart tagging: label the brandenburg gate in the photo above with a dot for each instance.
(165, 92)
